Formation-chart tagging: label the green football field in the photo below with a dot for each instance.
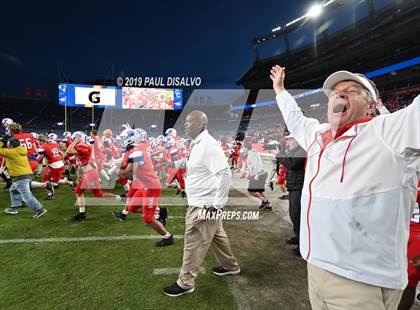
(74, 273)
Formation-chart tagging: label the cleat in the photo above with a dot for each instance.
(263, 204)
(50, 189)
(119, 215)
(220, 271)
(175, 290)
(268, 207)
(165, 241)
(78, 217)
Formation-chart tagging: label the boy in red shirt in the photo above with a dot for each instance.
(145, 188)
(90, 177)
(54, 156)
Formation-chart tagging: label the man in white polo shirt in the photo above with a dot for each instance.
(207, 186)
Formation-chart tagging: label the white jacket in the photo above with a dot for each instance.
(359, 193)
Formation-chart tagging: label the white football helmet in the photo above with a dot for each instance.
(142, 134)
(79, 133)
(5, 122)
(52, 137)
(129, 141)
(67, 134)
(171, 132)
(123, 127)
(169, 141)
(128, 133)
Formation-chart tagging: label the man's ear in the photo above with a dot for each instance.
(372, 108)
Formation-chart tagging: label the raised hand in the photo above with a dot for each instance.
(277, 74)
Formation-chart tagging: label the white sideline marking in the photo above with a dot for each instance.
(80, 239)
(159, 271)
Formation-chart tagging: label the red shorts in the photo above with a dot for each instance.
(413, 249)
(33, 164)
(53, 174)
(135, 194)
(150, 204)
(90, 181)
(171, 175)
(180, 175)
(281, 180)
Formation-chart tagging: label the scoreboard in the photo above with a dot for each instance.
(82, 95)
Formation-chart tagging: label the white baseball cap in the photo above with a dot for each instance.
(340, 76)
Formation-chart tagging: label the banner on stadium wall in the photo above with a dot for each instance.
(81, 95)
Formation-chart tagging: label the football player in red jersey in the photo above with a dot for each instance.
(90, 177)
(145, 189)
(158, 157)
(174, 154)
(136, 186)
(54, 156)
(28, 141)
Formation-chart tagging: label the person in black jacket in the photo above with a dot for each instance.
(294, 160)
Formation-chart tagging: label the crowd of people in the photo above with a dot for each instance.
(358, 257)
(142, 165)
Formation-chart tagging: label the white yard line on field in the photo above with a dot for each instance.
(82, 239)
(159, 271)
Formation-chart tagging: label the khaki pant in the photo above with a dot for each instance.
(199, 235)
(329, 291)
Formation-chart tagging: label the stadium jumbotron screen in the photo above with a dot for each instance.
(81, 95)
(151, 98)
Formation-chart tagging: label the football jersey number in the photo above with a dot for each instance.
(55, 152)
(26, 143)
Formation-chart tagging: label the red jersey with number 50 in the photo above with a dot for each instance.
(84, 152)
(29, 142)
(51, 151)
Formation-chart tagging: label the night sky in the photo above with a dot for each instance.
(209, 39)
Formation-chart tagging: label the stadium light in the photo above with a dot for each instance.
(92, 124)
(60, 124)
(314, 11)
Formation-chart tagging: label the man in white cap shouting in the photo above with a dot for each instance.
(358, 193)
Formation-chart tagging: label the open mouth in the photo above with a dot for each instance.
(340, 108)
